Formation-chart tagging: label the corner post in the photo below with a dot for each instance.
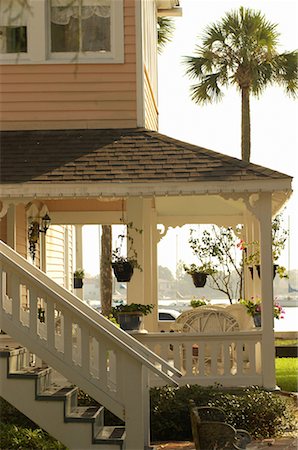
(268, 349)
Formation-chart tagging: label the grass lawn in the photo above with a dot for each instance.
(287, 374)
(281, 342)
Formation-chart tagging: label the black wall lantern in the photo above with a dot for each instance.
(34, 229)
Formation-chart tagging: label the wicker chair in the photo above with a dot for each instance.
(210, 431)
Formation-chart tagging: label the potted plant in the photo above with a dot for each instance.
(130, 317)
(197, 302)
(123, 266)
(254, 309)
(199, 273)
(78, 277)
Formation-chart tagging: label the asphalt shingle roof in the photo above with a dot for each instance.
(115, 156)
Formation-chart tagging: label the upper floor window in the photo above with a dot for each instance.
(13, 27)
(81, 26)
(49, 31)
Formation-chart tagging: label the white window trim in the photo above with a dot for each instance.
(38, 40)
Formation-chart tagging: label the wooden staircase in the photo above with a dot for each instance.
(47, 397)
(82, 346)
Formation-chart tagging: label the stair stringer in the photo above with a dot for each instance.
(49, 415)
(88, 385)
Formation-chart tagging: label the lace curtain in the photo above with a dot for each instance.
(13, 13)
(63, 10)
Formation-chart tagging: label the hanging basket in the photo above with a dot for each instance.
(123, 271)
(199, 279)
(77, 283)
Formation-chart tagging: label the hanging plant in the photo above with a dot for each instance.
(123, 266)
(78, 277)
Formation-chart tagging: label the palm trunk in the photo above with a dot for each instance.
(245, 125)
(106, 270)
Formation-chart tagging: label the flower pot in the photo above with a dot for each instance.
(77, 283)
(123, 271)
(129, 321)
(199, 279)
(257, 320)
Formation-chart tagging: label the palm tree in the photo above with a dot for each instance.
(241, 50)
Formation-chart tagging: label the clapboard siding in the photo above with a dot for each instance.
(55, 251)
(57, 96)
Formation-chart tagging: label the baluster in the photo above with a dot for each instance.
(59, 331)
(239, 353)
(120, 374)
(228, 356)
(251, 357)
(202, 359)
(67, 338)
(112, 372)
(16, 297)
(33, 311)
(85, 350)
(102, 359)
(50, 323)
(214, 357)
(188, 358)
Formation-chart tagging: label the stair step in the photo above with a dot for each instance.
(30, 372)
(57, 392)
(110, 435)
(84, 414)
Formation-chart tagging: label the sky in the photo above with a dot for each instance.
(274, 116)
(217, 127)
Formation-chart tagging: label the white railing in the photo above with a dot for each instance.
(79, 343)
(231, 359)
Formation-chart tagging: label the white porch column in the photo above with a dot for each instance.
(143, 286)
(11, 227)
(268, 349)
(79, 256)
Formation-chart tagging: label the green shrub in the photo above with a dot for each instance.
(261, 413)
(13, 437)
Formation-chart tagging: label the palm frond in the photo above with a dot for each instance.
(286, 71)
(165, 31)
(207, 90)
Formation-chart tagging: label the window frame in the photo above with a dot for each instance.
(39, 40)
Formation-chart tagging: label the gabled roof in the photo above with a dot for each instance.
(117, 156)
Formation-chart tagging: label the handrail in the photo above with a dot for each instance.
(118, 336)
